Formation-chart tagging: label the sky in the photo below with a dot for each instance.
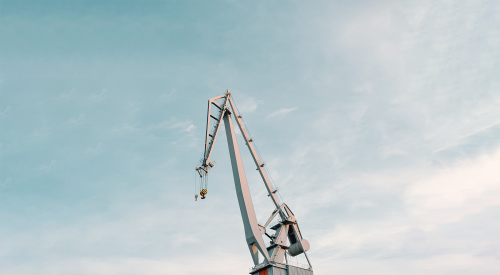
(379, 121)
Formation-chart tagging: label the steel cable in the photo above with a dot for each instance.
(273, 184)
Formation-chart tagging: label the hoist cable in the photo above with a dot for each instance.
(273, 184)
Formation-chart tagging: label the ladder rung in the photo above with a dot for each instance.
(216, 105)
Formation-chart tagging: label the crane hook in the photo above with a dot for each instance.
(203, 193)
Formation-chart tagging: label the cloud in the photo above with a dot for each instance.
(174, 123)
(185, 126)
(100, 95)
(48, 166)
(44, 131)
(68, 95)
(185, 239)
(77, 120)
(5, 182)
(468, 187)
(169, 95)
(95, 149)
(281, 112)
(6, 111)
(134, 265)
(125, 127)
(247, 104)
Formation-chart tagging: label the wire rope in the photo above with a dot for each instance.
(273, 184)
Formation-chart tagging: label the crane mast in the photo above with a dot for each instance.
(287, 239)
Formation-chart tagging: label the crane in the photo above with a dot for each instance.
(287, 239)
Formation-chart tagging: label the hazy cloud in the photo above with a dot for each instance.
(247, 104)
(77, 120)
(100, 95)
(281, 112)
(48, 166)
(6, 182)
(168, 95)
(5, 112)
(95, 148)
(68, 95)
(466, 188)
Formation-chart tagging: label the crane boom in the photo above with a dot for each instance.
(286, 228)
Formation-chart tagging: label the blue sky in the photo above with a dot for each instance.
(379, 121)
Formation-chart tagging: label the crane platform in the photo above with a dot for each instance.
(279, 269)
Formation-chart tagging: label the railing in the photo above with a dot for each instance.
(291, 263)
(297, 264)
(256, 267)
(274, 223)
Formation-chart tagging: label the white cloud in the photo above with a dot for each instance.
(68, 95)
(355, 239)
(48, 166)
(281, 112)
(169, 95)
(174, 123)
(185, 239)
(100, 95)
(44, 131)
(456, 263)
(6, 182)
(247, 104)
(135, 265)
(95, 148)
(468, 187)
(125, 127)
(77, 120)
(5, 112)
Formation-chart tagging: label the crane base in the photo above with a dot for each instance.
(280, 269)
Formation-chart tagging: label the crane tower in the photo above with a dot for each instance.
(286, 241)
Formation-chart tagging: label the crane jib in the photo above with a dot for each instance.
(286, 241)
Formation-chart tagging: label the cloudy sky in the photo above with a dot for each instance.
(379, 122)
